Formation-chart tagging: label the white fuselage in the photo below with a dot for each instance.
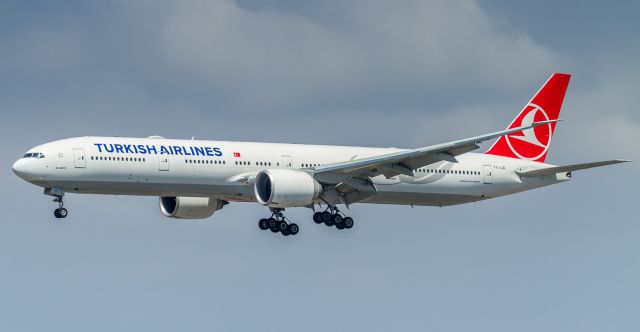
(168, 167)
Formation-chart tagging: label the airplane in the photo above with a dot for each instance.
(195, 178)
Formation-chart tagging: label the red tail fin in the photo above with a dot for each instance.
(533, 144)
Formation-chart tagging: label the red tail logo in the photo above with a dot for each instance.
(533, 144)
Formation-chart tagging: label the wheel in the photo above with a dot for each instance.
(263, 224)
(340, 226)
(63, 213)
(348, 222)
(56, 213)
(317, 217)
(273, 224)
(336, 218)
(325, 216)
(282, 226)
(293, 229)
(329, 222)
(285, 232)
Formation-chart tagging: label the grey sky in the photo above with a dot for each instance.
(376, 73)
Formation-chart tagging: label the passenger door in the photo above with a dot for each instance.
(163, 163)
(287, 161)
(78, 158)
(488, 174)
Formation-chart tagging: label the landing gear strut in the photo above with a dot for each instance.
(58, 195)
(278, 223)
(333, 217)
(60, 212)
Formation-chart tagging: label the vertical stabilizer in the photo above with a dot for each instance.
(533, 144)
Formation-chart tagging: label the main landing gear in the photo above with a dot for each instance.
(333, 217)
(278, 223)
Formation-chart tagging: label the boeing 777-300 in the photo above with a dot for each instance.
(195, 178)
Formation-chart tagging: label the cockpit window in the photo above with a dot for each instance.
(34, 155)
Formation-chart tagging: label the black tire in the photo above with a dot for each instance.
(273, 225)
(63, 213)
(325, 216)
(56, 213)
(348, 222)
(293, 229)
(340, 226)
(263, 224)
(285, 232)
(329, 222)
(282, 226)
(336, 219)
(317, 217)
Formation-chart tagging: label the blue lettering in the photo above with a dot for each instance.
(99, 145)
(142, 149)
(163, 150)
(209, 151)
(186, 153)
(199, 151)
(108, 148)
(135, 148)
(178, 150)
(152, 148)
(192, 153)
(218, 152)
(127, 148)
(119, 148)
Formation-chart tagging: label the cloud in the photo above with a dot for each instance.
(375, 55)
(371, 56)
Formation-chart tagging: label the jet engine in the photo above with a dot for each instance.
(190, 207)
(280, 188)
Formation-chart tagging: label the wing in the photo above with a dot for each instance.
(404, 162)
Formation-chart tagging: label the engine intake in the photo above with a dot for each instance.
(190, 207)
(282, 188)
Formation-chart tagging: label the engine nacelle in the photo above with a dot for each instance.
(190, 207)
(282, 188)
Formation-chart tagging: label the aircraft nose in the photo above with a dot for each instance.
(25, 169)
(19, 168)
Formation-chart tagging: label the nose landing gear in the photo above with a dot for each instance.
(60, 212)
(58, 195)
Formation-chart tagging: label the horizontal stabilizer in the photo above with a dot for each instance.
(570, 168)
